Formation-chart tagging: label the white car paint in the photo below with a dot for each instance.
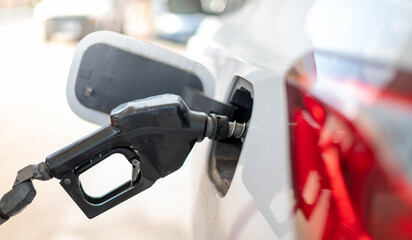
(260, 42)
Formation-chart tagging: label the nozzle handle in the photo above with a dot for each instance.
(93, 206)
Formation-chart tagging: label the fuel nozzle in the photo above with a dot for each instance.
(155, 135)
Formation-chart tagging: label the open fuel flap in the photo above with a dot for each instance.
(109, 69)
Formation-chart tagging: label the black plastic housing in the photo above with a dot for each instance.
(158, 131)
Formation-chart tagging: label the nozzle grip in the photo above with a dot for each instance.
(93, 206)
(84, 150)
(70, 162)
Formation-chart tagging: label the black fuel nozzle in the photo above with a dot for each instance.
(155, 134)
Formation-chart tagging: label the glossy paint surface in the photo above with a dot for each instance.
(261, 42)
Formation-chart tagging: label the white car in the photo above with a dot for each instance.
(327, 154)
(326, 90)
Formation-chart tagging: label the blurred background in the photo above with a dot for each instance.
(37, 42)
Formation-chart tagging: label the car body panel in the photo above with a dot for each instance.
(261, 41)
(251, 201)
